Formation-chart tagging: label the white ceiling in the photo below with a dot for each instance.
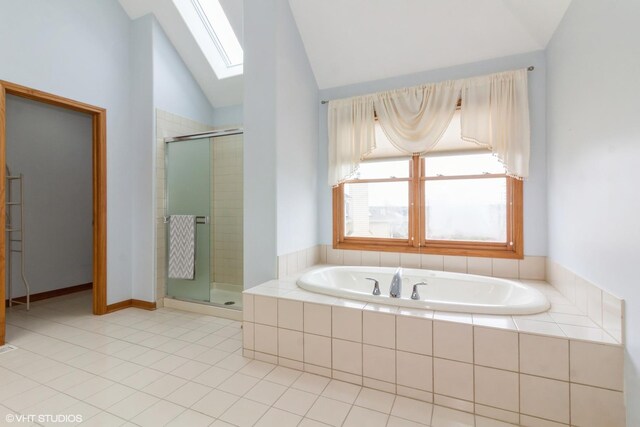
(351, 41)
(220, 92)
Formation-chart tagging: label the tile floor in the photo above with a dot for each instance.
(169, 367)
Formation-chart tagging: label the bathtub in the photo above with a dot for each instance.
(457, 292)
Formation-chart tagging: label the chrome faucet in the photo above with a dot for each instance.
(415, 294)
(376, 286)
(395, 290)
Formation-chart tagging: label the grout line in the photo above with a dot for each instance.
(569, 376)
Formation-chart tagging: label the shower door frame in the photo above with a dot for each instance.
(211, 135)
(99, 177)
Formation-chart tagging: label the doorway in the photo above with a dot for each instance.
(99, 190)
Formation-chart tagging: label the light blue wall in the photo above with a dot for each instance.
(259, 141)
(593, 139)
(174, 88)
(80, 50)
(228, 116)
(143, 132)
(297, 139)
(281, 127)
(535, 204)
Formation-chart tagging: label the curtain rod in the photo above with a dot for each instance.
(529, 68)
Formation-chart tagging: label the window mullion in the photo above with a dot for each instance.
(414, 203)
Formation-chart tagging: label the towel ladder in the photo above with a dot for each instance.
(15, 238)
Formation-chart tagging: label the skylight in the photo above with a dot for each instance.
(212, 31)
(219, 28)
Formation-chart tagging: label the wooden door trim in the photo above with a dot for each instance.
(99, 174)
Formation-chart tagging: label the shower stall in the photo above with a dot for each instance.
(204, 179)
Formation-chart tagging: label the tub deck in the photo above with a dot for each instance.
(552, 367)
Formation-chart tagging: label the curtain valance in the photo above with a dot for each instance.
(494, 114)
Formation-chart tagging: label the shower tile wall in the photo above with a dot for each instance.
(226, 262)
(167, 125)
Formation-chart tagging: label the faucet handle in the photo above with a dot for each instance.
(376, 285)
(414, 293)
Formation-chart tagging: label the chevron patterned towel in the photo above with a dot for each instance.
(182, 247)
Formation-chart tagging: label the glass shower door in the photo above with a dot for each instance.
(188, 192)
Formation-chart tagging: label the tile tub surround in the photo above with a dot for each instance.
(517, 369)
(576, 296)
(603, 308)
(530, 268)
(294, 262)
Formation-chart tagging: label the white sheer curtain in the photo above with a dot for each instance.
(414, 119)
(495, 113)
(351, 136)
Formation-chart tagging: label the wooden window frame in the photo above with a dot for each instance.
(416, 243)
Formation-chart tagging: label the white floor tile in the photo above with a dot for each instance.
(311, 383)
(104, 419)
(296, 401)
(445, 417)
(167, 367)
(158, 414)
(401, 422)
(329, 411)
(132, 405)
(215, 403)
(164, 386)
(191, 418)
(376, 400)
(244, 413)
(413, 410)
(277, 418)
(365, 417)
(142, 378)
(257, 369)
(283, 376)
(344, 392)
(266, 392)
(188, 394)
(110, 396)
(238, 384)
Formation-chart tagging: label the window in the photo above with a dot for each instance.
(212, 31)
(220, 31)
(454, 202)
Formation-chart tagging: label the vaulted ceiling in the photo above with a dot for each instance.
(350, 41)
(220, 92)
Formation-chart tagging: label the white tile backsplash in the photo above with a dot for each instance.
(529, 268)
(478, 265)
(603, 308)
(291, 263)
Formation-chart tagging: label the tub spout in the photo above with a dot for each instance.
(395, 290)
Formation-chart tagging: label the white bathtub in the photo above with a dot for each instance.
(445, 291)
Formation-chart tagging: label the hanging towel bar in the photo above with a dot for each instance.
(199, 219)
